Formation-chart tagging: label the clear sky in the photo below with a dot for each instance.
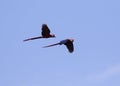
(93, 24)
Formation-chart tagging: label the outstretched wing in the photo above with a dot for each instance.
(45, 30)
(69, 46)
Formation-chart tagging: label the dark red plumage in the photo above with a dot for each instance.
(44, 34)
(69, 45)
(67, 42)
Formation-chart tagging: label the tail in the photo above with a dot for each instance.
(51, 45)
(33, 38)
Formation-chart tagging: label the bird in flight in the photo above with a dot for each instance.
(44, 34)
(67, 42)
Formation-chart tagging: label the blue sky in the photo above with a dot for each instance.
(93, 24)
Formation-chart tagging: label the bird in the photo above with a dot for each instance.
(67, 42)
(44, 34)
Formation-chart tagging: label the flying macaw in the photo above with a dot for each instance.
(45, 33)
(67, 42)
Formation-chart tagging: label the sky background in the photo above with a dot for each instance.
(93, 24)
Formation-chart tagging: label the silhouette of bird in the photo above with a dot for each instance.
(45, 33)
(67, 42)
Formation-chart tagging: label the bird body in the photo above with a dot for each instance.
(67, 42)
(45, 33)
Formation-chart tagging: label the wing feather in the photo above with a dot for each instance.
(45, 30)
(69, 46)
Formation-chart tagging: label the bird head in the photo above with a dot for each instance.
(52, 35)
(72, 40)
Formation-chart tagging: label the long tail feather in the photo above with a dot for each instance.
(51, 45)
(33, 38)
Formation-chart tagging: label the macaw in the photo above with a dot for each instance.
(67, 42)
(45, 33)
